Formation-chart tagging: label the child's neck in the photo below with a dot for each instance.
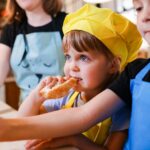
(86, 96)
(38, 19)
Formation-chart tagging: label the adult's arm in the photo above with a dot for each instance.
(63, 122)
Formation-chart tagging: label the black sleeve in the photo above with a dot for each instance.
(121, 86)
(59, 21)
(7, 35)
(61, 16)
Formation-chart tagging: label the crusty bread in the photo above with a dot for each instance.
(59, 90)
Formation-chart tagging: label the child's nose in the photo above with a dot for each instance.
(146, 14)
(74, 66)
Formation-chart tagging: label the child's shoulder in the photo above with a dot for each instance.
(134, 67)
(16, 23)
(60, 15)
(15, 26)
(140, 62)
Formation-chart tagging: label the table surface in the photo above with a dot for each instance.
(7, 112)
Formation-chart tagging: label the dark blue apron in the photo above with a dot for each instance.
(139, 131)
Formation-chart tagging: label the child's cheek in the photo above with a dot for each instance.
(140, 29)
(66, 70)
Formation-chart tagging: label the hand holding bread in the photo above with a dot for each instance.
(58, 90)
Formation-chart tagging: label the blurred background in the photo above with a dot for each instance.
(123, 7)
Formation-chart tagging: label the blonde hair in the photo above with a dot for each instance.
(15, 12)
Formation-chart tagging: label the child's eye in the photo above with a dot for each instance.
(67, 57)
(84, 58)
(138, 9)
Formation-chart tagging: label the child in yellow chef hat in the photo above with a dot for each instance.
(92, 36)
(117, 33)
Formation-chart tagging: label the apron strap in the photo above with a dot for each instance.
(71, 100)
(143, 72)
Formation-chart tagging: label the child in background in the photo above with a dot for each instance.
(32, 42)
(95, 65)
(2, 14)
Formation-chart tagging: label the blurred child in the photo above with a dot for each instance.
(31, 42)
(95, 63)
(2, 14)
(132, 87)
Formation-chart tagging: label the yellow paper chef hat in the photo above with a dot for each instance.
(116, 32)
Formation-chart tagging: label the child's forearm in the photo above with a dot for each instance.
(10, 129)
(63, 122)
(83, 143)
(40, 127)
(30, 106)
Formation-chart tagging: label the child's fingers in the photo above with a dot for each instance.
(48, 79)
(43, 83)
(61, 79)
(32, 143)
(38, 145)
(52, 83)
(66, 78)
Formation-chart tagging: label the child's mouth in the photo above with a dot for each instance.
(78, 79)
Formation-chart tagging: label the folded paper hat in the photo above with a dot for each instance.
(116, 32)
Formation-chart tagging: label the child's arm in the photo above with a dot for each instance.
(78, 141)
(114, 142)
(32, 104)
(63, 122)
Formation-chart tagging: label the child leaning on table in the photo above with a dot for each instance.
(94, 59)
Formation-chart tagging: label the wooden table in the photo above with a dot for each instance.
(8, 112)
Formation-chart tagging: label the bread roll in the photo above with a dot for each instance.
(59, 90)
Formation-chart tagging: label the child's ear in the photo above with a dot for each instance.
(115, 65)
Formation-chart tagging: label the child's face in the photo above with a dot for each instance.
(29, 5)
(91, 68)
(143, 17)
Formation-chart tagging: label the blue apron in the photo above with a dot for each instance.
(139, 131)
(31, 60)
